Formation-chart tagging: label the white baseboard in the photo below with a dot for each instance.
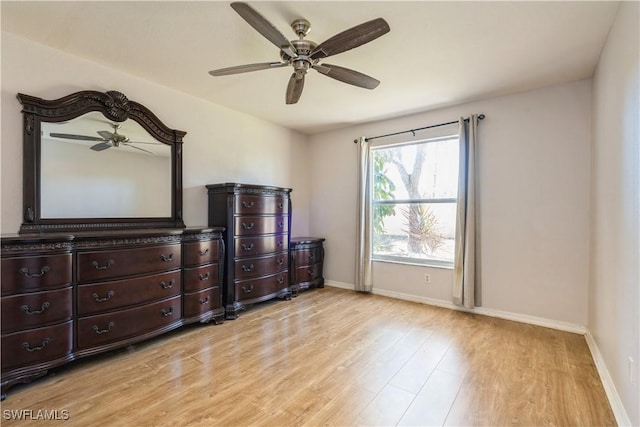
(522, 318)
(340, 285)
(612, 394)
(609, 386)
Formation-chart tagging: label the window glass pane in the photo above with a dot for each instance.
(419, 171)
(415, 230)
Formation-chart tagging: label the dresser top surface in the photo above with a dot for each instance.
(237, 187)
(306, 240)
(110, 234)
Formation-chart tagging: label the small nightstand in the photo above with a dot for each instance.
(306, 257)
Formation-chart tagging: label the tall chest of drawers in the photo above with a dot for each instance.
(257, 220)
(37, 307)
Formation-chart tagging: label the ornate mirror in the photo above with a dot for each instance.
(96, 161)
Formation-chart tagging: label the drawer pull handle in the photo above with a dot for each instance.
(38, 347)
(105, 267)
(247, 290)
(203, 253)
(167, 285)
(280, 280)
(204, 277)
(107, 298)
(312, 256)
(166, 258)
(280, 224)
(311, 272)
(247, 247)
(280, 243)
(280, 261)
(247, 204)
(280, 205)
(247, 268)
(26, 273)
(25, 308)
(204, 301)
(99, 331)
(166, 313)
(248, 226)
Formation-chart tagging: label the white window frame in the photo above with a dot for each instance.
(425, 262)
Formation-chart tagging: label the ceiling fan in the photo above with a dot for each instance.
(303, 54)
(108, 140)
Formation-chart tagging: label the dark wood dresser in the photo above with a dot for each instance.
(202, 258)
(257, 220)
(306, 263)
(66, 296)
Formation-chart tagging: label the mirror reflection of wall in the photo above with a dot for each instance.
(89, 169)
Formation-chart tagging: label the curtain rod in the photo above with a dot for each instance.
(413, 131)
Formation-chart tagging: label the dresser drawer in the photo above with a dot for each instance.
(308, 273)
(248, 246)
(196, 253)
(105, 328)
(260, 266)
(200, 302)
(35, 309)
(250, 289)
(252, 225)
(24, 274)
(37, 345)
(97, 265)
(115, 294)
(199, 278)
(245, 204)
(309, 256)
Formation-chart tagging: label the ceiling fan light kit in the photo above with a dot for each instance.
(304, 55)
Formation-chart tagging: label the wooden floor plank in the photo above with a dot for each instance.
(332, 357)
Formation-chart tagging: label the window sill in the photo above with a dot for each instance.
(426, 263)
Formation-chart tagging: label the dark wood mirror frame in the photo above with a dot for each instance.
(116, 107)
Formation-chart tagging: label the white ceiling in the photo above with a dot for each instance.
(436, 54)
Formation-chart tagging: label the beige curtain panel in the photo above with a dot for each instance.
(464, 263)
(364, 280)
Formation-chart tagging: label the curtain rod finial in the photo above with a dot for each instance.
(481, 116)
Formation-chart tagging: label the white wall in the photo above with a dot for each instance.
(614, 297)
(534, 190)
(221, 145)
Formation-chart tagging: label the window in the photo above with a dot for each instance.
(414, 201)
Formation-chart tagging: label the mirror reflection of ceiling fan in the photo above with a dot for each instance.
(303, 54)
(108, 140)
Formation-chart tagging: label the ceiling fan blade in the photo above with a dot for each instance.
(138, 148)
(102, 146)
(347, 76)
(106, 135)
(294, 88)
(264, 27)
(246, 68)
(72, 136)
(351, 38)
(141, 142)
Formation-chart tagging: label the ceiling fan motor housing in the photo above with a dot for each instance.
(301, 63)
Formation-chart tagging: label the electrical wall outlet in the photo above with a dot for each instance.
(427, 278)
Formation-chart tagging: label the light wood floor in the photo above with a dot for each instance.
(332, 357)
